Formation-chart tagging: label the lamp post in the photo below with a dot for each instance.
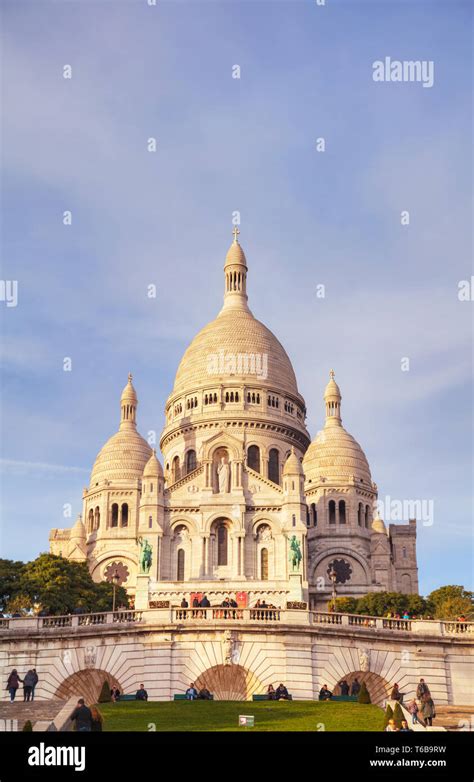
(115, 584)
(333, 576)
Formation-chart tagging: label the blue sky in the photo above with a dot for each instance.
(308, 218)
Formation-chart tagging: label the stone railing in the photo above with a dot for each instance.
(231, 614)
(253, 616)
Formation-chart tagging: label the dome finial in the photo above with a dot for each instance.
(130, 377)
(332, 374)
(128, 405)
(235, 277)
(236, 232)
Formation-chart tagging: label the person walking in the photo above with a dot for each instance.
(13, 683)
(96, 719)
(395, 695)
(35, 682)
(428, 710)
(82, 717)
(413, 710)
(28, 683)
(422, 690)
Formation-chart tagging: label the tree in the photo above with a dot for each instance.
(27, 726)
(61, 586)
(388, 715)
(398, 715)
(382, 603)
(364, 695)
(10, 572)
(104, 696)
(345, 605)
(449, 602)
(20, 604)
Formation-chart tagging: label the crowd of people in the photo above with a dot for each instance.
(421, 707)
(29, 684)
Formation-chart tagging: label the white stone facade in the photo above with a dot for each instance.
(241, 481)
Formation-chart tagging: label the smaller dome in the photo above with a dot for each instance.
(379, 526)
(235, 253)
(153, 468)
(292, 465)
(129, 394)
(78, 530)
(123, 457)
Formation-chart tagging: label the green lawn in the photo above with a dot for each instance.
(223, 716)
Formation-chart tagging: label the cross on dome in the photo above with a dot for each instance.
(236, 232)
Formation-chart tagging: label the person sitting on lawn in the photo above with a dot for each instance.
(191, 692)
(324, 693)
(404, 728)
(271, 695)
(281, 693)
(391, 726)
(141, 694)
(204, 694)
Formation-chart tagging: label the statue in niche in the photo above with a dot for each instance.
(223, 475)
(364, 659)
(295, 555)
(264, 533)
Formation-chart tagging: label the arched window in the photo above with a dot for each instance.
(314, 513)
(181, 556)
(124, 519)
(332, 512)
(150, 521)
(274, 465)
(308, 522)
(97, 518)
(176, 470)
(114, 516)
(190, 461)
(342, 512)
(253, 457)
(90, 524)
(264, 564)
(359, 515)
(222, 540)
(367, 517)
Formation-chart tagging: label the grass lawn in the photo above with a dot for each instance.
(223, 716)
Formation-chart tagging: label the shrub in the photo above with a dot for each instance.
(364, 695)
(27, 726)
(398, 715)
(104, 696)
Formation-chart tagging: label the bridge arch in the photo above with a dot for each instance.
(86, 684)
(378, 687)
(230, 682)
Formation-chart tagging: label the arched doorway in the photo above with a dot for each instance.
(230, 683)
(86, 684)
(379, 689)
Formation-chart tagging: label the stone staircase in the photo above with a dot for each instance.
(455, 718)
(31, 710)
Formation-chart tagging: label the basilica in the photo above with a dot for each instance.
(242, 502)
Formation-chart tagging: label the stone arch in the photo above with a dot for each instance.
(86, 683)
(406, 585)
(230, 682)
(114, 555)
(378, 687)
(234, 524)
(186, 522)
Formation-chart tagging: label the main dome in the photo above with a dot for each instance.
(235, 346)
(235, 332)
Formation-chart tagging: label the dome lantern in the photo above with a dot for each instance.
(128, 406)
(332, 398)
(235, 276)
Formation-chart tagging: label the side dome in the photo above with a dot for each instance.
(334, 454)
(153, 468)
(125, 454)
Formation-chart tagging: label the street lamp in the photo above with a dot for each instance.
(115, 584)
(333, 576)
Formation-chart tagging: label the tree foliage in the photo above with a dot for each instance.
(398, 715)
(450, 602)
(388, 715)
(104, 695)
(59, 585)
(10, 573)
